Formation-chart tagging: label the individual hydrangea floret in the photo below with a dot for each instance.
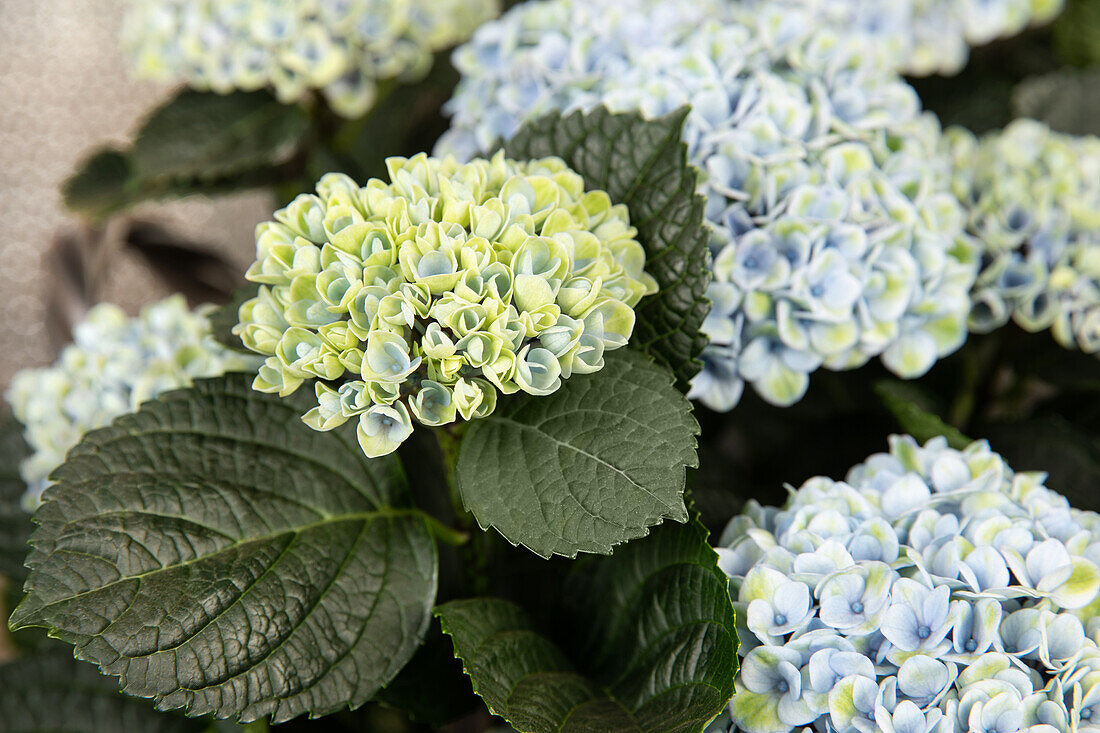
(835, 235)
(1033, 198)
(933, 590)
(114, 364)
(344, 48)
(921, 37)
(426, 297)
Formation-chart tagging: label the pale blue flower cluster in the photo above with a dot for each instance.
(114, 364)
(933, 590)
(921, 37)
(835, 236)
(342, 47)
(1033, 198)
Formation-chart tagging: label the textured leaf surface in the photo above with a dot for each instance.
(15, 523)
(51, 692)
(209, 136)
(662, 652)
(643, 164)
(220, 556)
(591, 466)
(904, 401)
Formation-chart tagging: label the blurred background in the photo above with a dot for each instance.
(66, 90)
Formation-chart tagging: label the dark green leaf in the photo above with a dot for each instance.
(15, 522)
(207, 136)
(644, 165)
(220, 556)
(99, 186)
(909, 406)
(662, 652)
(431, 688)
(51, 692)
(591, 466)
(1066, 100)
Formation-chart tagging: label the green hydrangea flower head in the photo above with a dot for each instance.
(343, 48)
(114, 364)
(426, 297)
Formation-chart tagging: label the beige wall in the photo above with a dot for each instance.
(64, 90)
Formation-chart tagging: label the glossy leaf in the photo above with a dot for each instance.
(207, 136)
(643, 164)
(219, 556)
(591, 466)
(661, 653)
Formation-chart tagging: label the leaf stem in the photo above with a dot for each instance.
(446, 535)
(477, 542)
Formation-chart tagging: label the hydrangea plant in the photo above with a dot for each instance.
(1033, 199)
(224, 557)
(114, 364)
(932, 590)
(425, 297)
(921, 37)
(344, 48)
(835, 235)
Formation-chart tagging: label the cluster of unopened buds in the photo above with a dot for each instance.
(835, 234)
(114, 364)
(932, 590)
(425, 297)
(1033, 198)
(342, 47)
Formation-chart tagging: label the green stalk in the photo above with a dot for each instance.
(477, 546)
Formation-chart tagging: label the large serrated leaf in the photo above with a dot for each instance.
(15, 523)
(643, 164)
(661, 654)
(591, 466)
(50, 692)
(207, 136)
(221, 557)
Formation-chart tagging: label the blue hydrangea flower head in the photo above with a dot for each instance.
(114, 364)
(932, 590)
(343, 48)
(921, 37)
(423, 298)
(1033, 199)
(836, 238)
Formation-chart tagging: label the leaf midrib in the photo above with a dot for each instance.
(581, 451)
(368, 516)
